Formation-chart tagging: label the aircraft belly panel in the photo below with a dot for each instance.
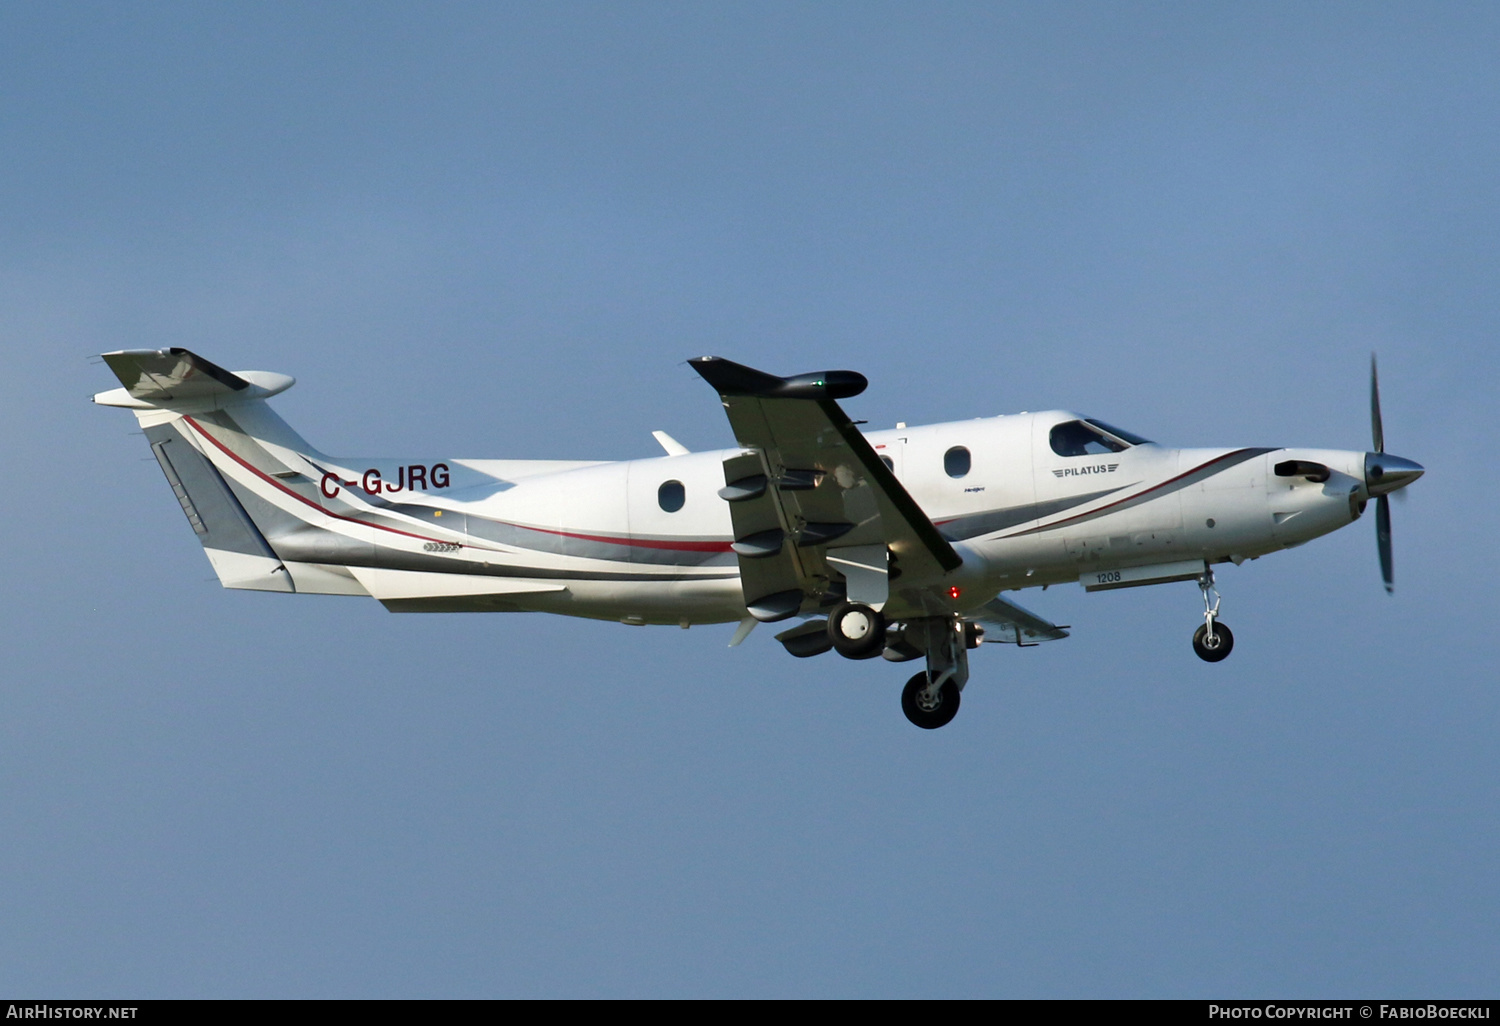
(668, 602)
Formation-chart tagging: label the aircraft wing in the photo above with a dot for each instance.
(811, 500)
(1008, 624)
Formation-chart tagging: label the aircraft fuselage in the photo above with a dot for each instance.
(1020, 515)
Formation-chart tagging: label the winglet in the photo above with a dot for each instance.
(730, 378)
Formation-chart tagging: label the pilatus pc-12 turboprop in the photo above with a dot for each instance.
(884, 543)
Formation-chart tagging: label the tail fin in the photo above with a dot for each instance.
(180, 399)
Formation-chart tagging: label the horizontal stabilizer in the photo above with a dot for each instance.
(158, 377)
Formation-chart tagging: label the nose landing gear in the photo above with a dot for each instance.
(1213, 641)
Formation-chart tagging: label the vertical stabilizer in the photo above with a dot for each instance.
(166, 389)
(236, 548)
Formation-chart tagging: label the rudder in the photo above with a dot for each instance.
(237, 550)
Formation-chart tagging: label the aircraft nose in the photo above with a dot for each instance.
(1385, 473)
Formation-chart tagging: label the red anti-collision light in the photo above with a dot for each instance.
(953, 592)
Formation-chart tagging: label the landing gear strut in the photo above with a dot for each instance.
(930, 699)
(1213, 641)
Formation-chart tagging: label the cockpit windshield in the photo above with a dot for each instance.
(1091, 438)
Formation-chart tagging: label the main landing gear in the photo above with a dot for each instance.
(927, 707)
(930, 699)
(1213, 641)
(858, 631)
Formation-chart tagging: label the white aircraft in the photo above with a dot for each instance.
(885, 543)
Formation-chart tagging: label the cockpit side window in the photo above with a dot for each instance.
(1090, 438)
(1124, 436)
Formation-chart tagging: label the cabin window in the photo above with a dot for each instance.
(670, 496)
(956, 461)
(890, 464)
(1091, 438)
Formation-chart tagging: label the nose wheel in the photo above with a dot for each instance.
(1213, 647)
(1214, 640)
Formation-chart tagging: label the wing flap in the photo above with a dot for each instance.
(757, 516)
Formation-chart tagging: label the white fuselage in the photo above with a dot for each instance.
(603, 536)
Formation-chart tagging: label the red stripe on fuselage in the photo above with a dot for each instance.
(640, 543)
(1136, 496)
(644, 543)
(300, 498)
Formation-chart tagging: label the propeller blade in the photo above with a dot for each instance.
(1377, 427)
(1383, 540)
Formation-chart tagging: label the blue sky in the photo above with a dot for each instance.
(498, 230)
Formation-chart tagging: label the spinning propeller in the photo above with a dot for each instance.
(1384, 474)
